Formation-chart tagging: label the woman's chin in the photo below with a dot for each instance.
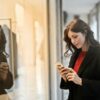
(78, 47)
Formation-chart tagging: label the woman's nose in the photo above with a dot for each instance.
(73, 41)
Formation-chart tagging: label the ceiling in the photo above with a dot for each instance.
(78, 6)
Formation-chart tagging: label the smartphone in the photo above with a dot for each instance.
(59, 65)
(69, 69)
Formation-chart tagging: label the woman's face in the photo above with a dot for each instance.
(77, 39)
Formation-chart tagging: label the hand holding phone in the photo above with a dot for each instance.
(63, 71)
(69, 70)
(59, 66)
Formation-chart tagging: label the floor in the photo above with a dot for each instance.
(25, 86)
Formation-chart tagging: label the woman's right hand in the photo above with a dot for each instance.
(62, 71)
(3, 70)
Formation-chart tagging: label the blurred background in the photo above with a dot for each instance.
(34, 32)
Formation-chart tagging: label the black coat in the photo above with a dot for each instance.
(5, 84)
(89, 71)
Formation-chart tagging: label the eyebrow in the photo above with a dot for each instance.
(72, 36)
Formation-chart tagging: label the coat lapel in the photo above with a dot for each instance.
(73, 58)
(87, 59)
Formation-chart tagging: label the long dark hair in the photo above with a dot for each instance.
(3, 42)
(77, 25)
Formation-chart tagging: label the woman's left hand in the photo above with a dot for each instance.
(72, 76)
(3, 70)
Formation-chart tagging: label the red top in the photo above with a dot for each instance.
(79, 61)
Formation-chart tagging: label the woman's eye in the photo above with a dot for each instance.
(75, 36)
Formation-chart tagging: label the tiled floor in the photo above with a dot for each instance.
(25, 86)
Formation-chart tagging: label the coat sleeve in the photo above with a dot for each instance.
(66, 85)
(6, 84)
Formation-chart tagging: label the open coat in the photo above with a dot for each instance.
(89, 71)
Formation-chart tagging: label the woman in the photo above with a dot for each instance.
(6, 79)
(83, 77)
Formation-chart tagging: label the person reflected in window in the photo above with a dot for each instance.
(6, 78)
(82, 76)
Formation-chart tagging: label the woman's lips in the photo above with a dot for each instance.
(76, 45)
